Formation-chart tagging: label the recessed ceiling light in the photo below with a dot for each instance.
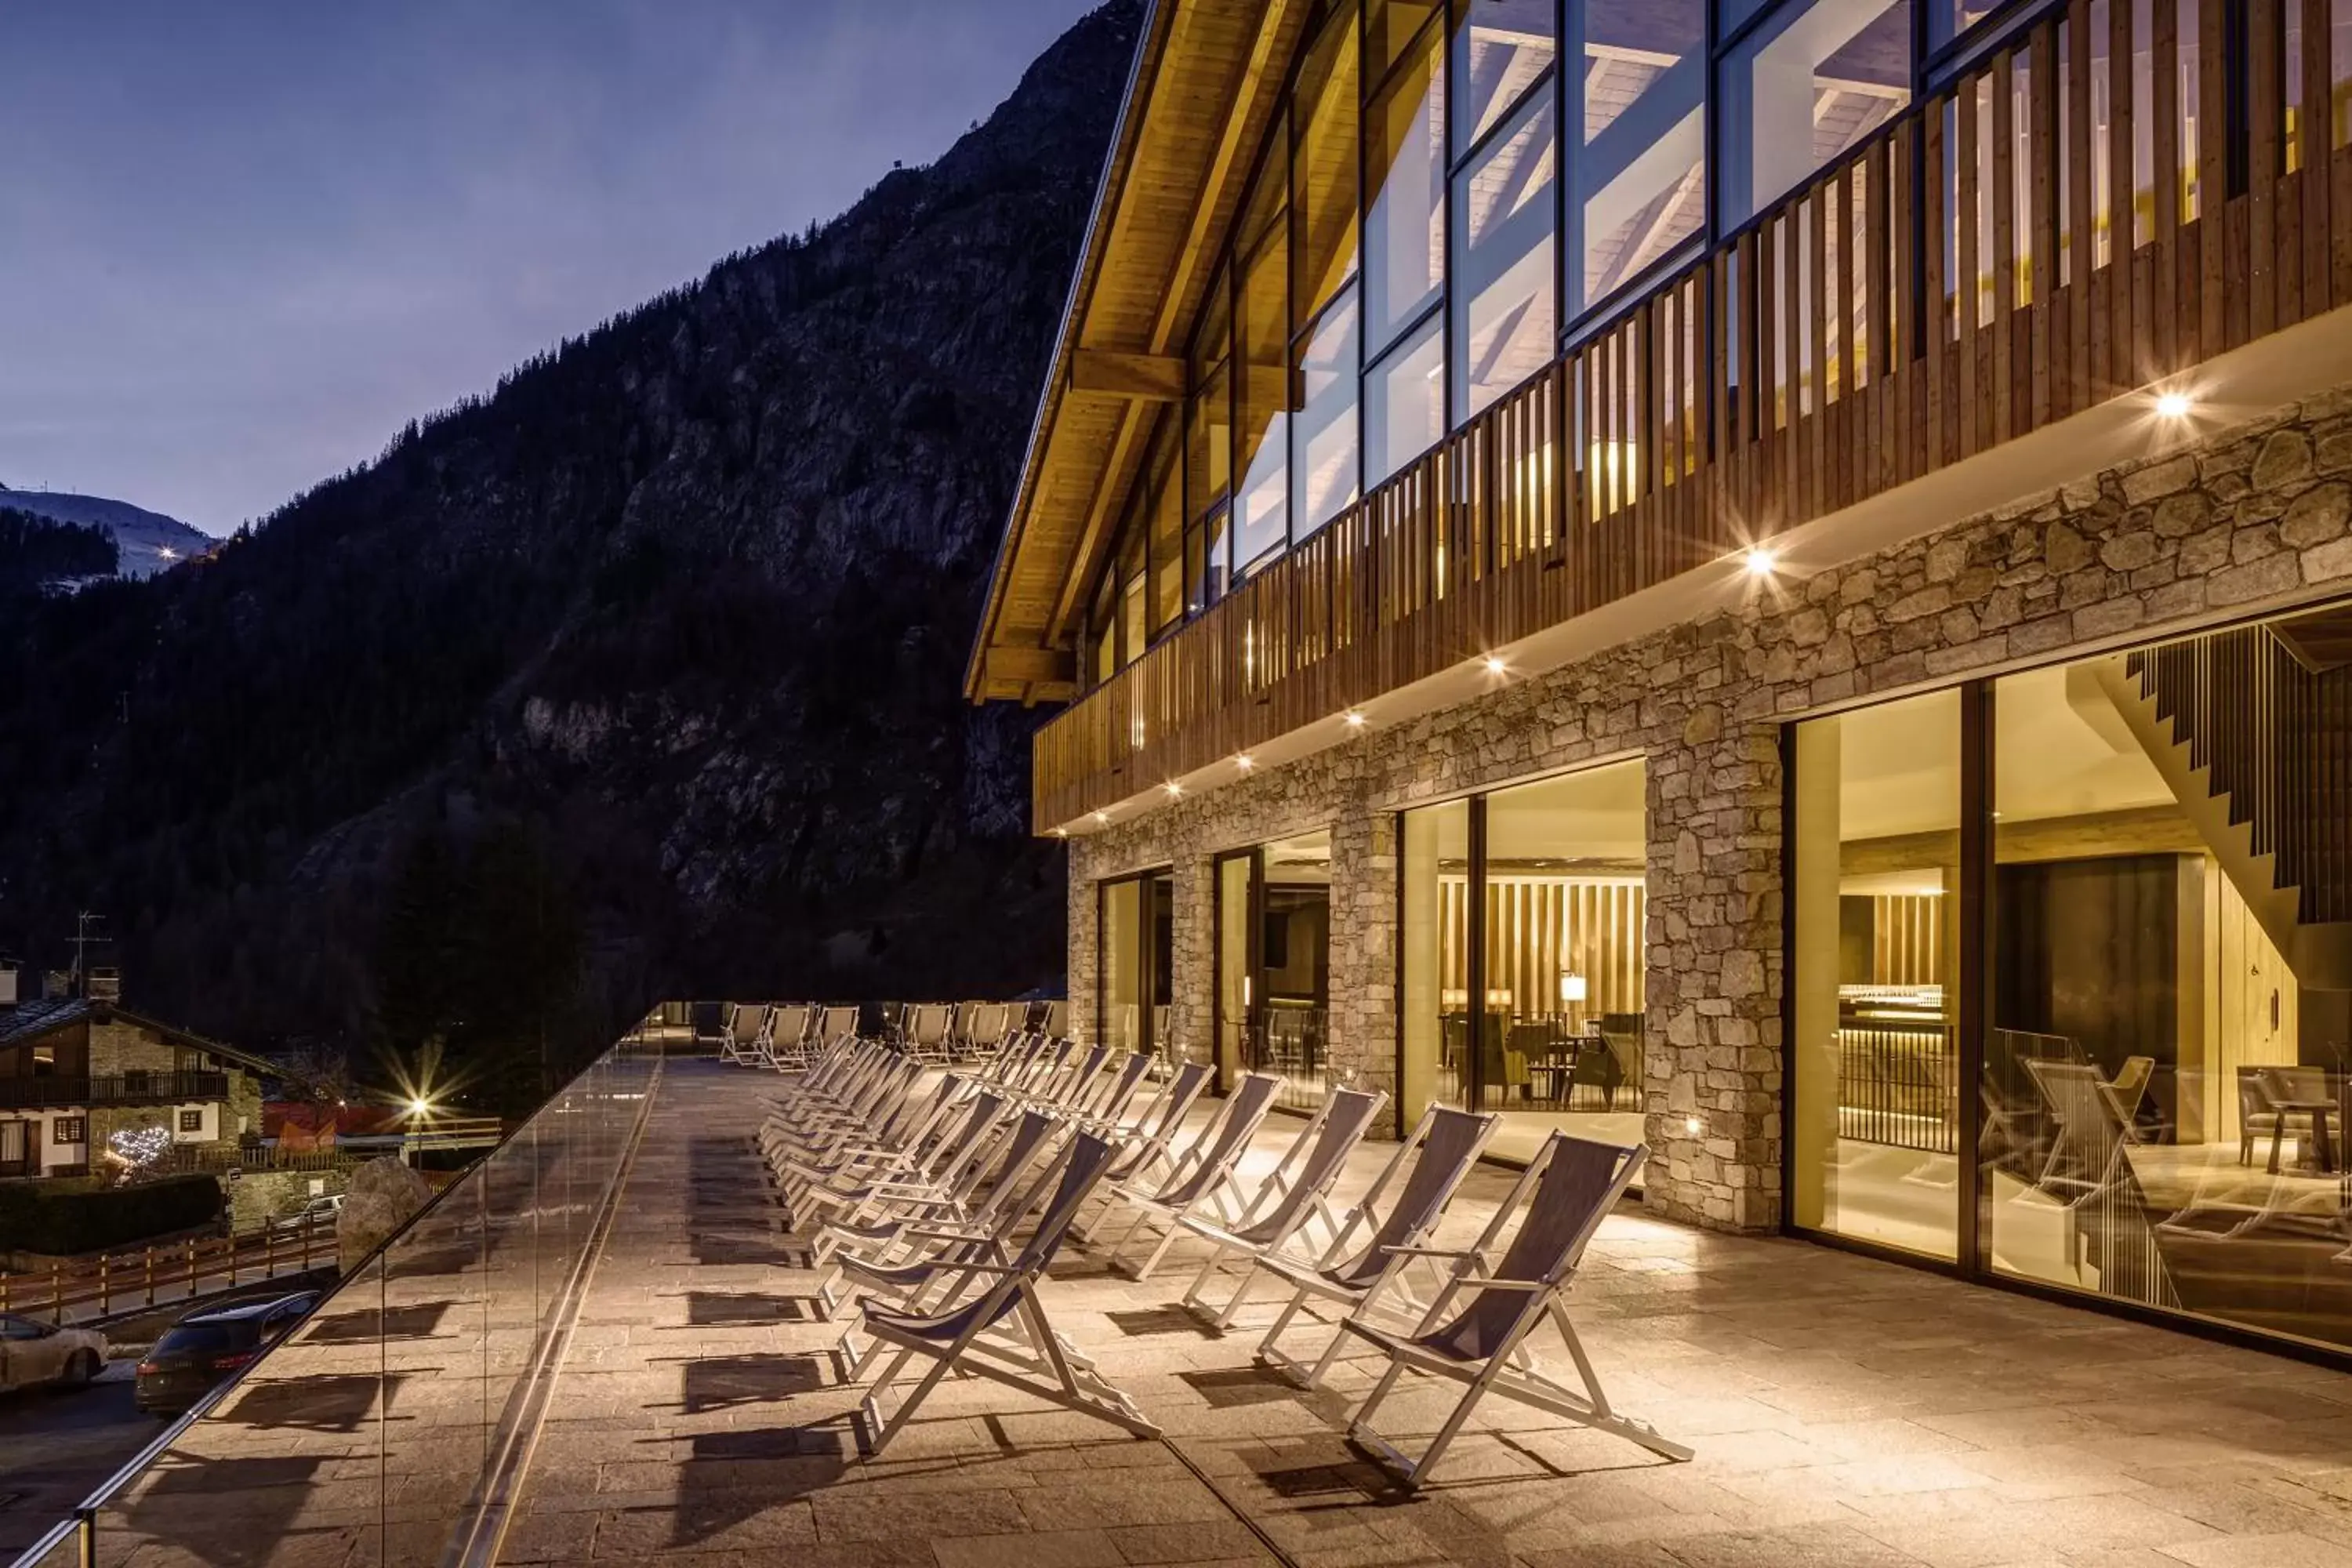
(1495, 665)
(1355, 720)
(1760, 561)
(1245, 763)
(1103, 817)
(1173, 789)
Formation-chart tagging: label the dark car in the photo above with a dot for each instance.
(203, 1347)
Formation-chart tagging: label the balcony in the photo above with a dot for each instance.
(121, 1088)
(1969, 276)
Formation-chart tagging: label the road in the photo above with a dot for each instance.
(56, 1447)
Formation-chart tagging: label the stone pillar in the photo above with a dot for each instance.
(1364, 946)
(1712, 1059)
(1192, 986)
(1084, 916)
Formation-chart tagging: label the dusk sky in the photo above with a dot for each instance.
(242, 243)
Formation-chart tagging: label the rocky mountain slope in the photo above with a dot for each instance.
(147, 541)
(638, 676)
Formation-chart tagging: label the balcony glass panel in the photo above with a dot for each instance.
(1323, 169)
(1500, 48)
(1404, 403)
(1637, 162)
(1323, 433)
(1405, 225)
(1503, 219)
(1813, 79)
(1261, 336)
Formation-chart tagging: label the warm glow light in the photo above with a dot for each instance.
(1355, 720)
(1061, 833)
(1573, 987)
(420, 1108)
(1760, 561)
(1495, 665)
(1103, 817)
(167, 552)
(2173, 404)
(1691, 1125)
(1245, 763)
(1173, 789)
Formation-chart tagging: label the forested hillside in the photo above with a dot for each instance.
(639, 675)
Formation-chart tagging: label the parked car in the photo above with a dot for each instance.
(206, 1347)
(318, 1211)
(33, 1353)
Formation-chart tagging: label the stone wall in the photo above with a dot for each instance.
(2249, 519)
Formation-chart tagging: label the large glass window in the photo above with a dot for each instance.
(1524, 977)
(1274, 947)
(1323, 118)
(1135, 956)
(1500, 50)
(2164, 1087)
(1404, 209)
(1262, 397)
(1814, 78)
(1503, 219)
(1637, 154)
(1876, 848)
(1323, 432)
(1404, 403)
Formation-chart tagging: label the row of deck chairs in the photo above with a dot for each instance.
(940, 1202)
(786, 1035)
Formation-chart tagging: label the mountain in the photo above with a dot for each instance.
(148, 541)
(637, 676)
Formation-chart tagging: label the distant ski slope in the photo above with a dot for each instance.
(142, 537)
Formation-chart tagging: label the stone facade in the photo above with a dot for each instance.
(2246, 520)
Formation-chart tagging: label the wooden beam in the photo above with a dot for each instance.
(1147, 378)
(1032, 665)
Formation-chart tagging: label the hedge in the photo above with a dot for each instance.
(60, 1220)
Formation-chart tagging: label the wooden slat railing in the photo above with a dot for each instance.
(1971, 274)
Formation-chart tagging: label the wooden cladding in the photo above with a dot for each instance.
(2061, 225)
(1906, 939)
(1541, 928)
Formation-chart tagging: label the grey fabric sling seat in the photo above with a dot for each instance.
(889, 1258)
(1283, 1211)
(944, 1186)
(996, 1327)
(1147, 1143)
(889, 1144)
(1028, 1082)
(1203, 1176)
(782, 1044)
(1064, 1073)
(1100, 1108)
(915, 1163)
(867, 1106)
(1441, 1152)
(1005, 1068)
(1069, 1090)
(1475, 1332)
(824, 1096)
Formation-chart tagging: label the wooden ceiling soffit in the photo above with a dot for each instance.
(1269, 32)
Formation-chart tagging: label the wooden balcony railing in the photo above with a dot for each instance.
(1968, 275)
(119, 1088)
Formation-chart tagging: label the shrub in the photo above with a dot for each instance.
(61, 1218)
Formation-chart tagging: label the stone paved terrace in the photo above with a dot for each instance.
(1844, 1411)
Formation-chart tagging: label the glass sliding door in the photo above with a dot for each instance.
(1274, 955)
(1135, 958)
(1876, 841)
(1523, 957)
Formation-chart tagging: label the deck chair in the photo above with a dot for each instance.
(920, 1169)
(1070, 1088)
(983, 1028)
(783, 1046)
(1448, 1143)
(926, 1032)
(1000, 1331)
(1113, 1094)
(1056, 1021)
(1148, 1144)
(889, 1147)
(1475, 1332)
(1282, 1213)
(837, 1023)
(1204, 1176)
(890, 1258)
(943, 1185)
(2086, 1144)
(865, 1103)
(739, 1041)
(1043, 1071)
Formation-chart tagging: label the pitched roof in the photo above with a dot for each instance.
(31, 1020)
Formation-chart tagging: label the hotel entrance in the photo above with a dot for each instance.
(1522, 956)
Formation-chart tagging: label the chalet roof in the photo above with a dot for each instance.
(31, 1020)
(1207, 81)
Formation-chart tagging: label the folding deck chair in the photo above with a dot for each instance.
(738, 1040)
(1449, 1142)
(1205, 1171)
(1280, 1212)
(783, 1043)
(926, 1032)
(1000, 1331)
(1147, 1143)
(1100, 1108)
(1569, 1189)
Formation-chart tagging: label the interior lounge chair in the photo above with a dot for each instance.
(2258, 1114)
(998, 1327)
(1441, 1152)
(1282, 1212)
(1203, 1180)
(1477, 1331)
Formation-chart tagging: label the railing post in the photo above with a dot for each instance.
(147, 1264)
(105, 1287)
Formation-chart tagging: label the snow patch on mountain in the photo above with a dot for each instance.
(148, 541)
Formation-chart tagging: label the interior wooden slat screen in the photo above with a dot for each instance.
(2077, 237)
(1540, 928)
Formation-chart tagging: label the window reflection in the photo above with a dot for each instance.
(1405, 220)
(1810, 81)
(1500, 48)
(1262, 340)
(1637, 162)
(1404, 404)
(1503, 213)
(1323, 466)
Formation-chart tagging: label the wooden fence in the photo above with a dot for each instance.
(118, 1280)
(2071, 219)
